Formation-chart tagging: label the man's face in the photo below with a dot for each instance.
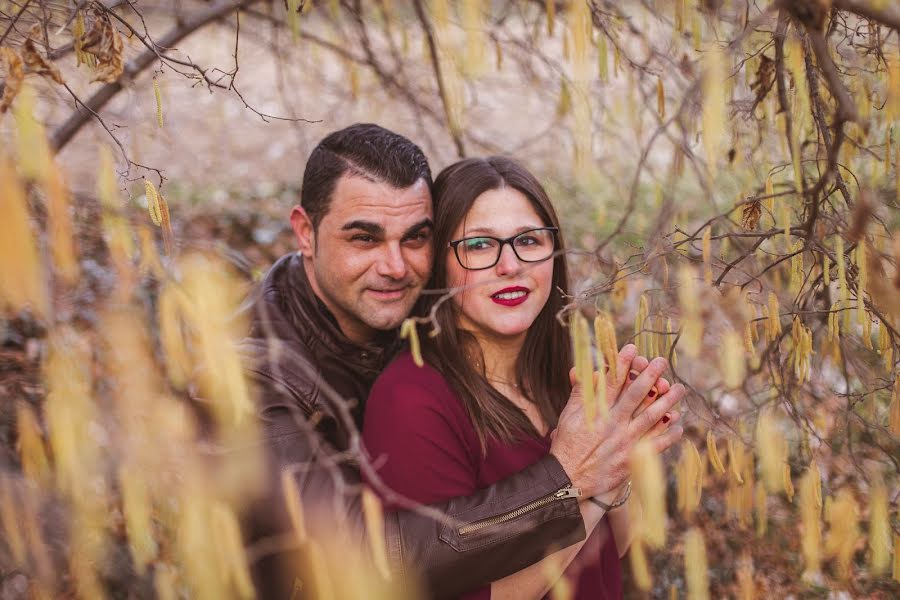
(371, 254)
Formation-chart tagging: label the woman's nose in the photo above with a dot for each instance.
(509, 263)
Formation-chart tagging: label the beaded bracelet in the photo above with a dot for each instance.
(617, 503)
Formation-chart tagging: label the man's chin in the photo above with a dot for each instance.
(384, 320)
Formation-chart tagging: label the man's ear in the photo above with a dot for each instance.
(303, 230)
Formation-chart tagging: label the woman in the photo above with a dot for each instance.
(497, 375)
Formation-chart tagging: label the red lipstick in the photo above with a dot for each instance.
(511, 296)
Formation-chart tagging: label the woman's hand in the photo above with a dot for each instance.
(596, 459)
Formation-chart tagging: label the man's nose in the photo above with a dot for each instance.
(509, 263)
(392, 264)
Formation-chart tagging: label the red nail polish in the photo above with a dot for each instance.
(632, 375)
(651, 393)
(666, 418)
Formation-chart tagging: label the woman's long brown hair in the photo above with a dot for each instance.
(543, 365)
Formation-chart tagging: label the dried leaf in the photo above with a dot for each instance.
(752, 213)
(105, 44)
(15, 75)
(37, 64)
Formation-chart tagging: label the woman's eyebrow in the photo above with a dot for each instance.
(492, 232)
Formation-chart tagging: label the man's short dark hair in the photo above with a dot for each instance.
(364, 150)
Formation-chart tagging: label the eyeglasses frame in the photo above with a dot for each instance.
(503, 241)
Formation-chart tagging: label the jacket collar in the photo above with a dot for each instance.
(293, 311)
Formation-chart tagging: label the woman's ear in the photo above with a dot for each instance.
(303, 230)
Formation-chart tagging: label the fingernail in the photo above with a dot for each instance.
(666, 418)
(632, 375)
(652, 392)
(606, 368)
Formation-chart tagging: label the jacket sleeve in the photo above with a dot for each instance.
(447, 562)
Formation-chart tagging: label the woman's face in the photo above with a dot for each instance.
(504, 300)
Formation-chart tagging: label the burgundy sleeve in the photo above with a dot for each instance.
(410, 428)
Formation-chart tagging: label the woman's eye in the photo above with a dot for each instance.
(476, 244)
(527, 240)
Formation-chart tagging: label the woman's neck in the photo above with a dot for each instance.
(500, 357)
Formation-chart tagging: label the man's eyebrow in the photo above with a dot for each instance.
(367, 226)
(423, 224)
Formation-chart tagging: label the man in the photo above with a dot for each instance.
(324, 329)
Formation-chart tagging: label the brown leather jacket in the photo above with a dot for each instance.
(303, 364)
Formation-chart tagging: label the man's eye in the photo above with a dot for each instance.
(363, 237)
(419, 237)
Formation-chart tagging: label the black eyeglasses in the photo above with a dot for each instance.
(483, 251)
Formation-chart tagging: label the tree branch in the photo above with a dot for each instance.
(65, 132)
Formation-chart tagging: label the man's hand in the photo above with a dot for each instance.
(596, 460)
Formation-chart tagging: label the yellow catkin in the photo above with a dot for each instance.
(59, 225)
(137, 510)
(714, 105)
(602, 57)
(550, 9)
(788, 483)
(713, 453)
(773, 323)
(374, 516)
(810, 522)
(679, 15)
(21, 272)
(660, 98)
(696, 570)
(769, 448)
(707, 256)
(152, 202)
(227, 534)
(692, 325)
(640, 568)
(649, 484)
(735, 460)
(165, 583)
(732, 362)
(896, 570)
(784, 222)
(498, 55)
(294, 505)
(690, 479)
(879, 530)
(171, 307)
(157, 95)
(584, 367)
(605, 335)
(213, 295)
(843, 531)
(894, 410)
(408, 331)
(843, 290)
(473, 24)
(762, 512)
(32, 451)
(640, 317)
(826, 270)
(862, 282)
(746, 585)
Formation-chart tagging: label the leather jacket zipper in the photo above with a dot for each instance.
(561, 494)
